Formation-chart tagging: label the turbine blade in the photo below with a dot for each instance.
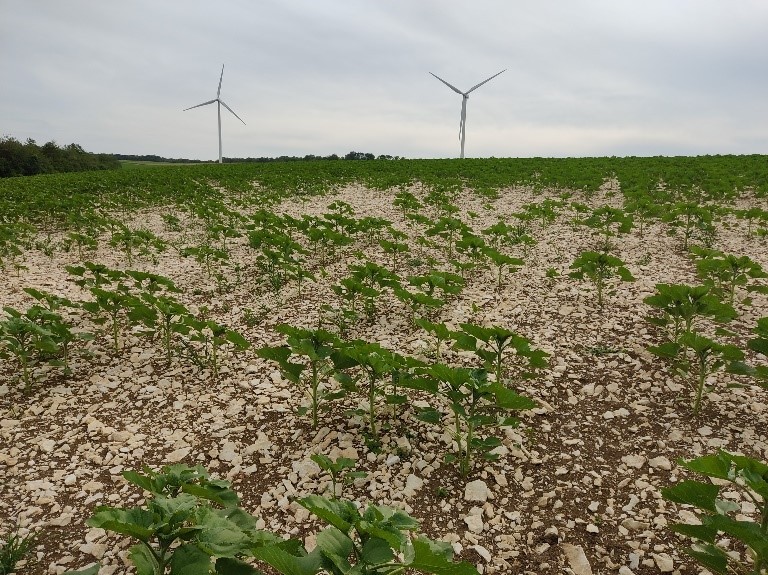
(218, 92)
(454, 88)
(484, 81)
(233, 112)
(203, 104)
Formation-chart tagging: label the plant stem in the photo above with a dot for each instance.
(314, 396)
(700, 387)
(457, 425)
(115, 328)
(371, 407)
(467, 460)
(25, 371)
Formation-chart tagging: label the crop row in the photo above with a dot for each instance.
(415, 273)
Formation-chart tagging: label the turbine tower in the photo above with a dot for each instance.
(464, 98)
(219, 103)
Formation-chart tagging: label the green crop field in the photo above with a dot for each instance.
(521, 360)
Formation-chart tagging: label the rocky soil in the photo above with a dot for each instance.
(577, 486)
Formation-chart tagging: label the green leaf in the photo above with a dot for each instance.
(760, 345)
(237, 339)
(211, 491)
(699, 532)
(509, 399)
(232, 566)
(666, 350)
(189, 559)
(325, 462)
(376, 551)
(339, 513)
(712, 465)
(436, 557)
(248, 524)
(748, 532)
(287, 563)
(700, 495)
(174, 509)
(335, 546)
(710, 557)
(429, 415)
(145, 562)
(625, 274)
(137, 523)
(396, 399)
(220, 536)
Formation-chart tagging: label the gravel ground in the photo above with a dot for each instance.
(577, 486)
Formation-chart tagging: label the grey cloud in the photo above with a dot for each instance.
(583, 77)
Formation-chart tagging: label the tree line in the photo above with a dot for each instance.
(29, 158)
(263, 159)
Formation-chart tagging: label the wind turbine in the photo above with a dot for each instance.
(219, 103)
(464, 98)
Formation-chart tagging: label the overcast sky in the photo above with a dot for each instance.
(583, 77)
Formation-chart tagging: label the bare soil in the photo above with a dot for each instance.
(585, 468)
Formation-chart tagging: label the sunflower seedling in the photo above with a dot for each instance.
(491, 343)
(717, 513)
(26, 341)
(680, 305)
(608, 222)
(376, 365)
(476, 403)
(377, 540)
(341, 470)
(599, 268)
(724, 272)
(193, 524)
(708, 357)
(314, 348)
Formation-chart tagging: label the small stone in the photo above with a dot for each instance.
(392, 460)
(306, 468)
(412, 484)
(93, 486)
(95, 549)
(636, 461)
(633, 500)
(483, 552)
(632, 525)
(664, 562)
(474, 523)
(229, 452)
(660, 462)
(177, 455)
(62, 520)
(577, 559)
(47, 445)
(624, 570)
(477, 491)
